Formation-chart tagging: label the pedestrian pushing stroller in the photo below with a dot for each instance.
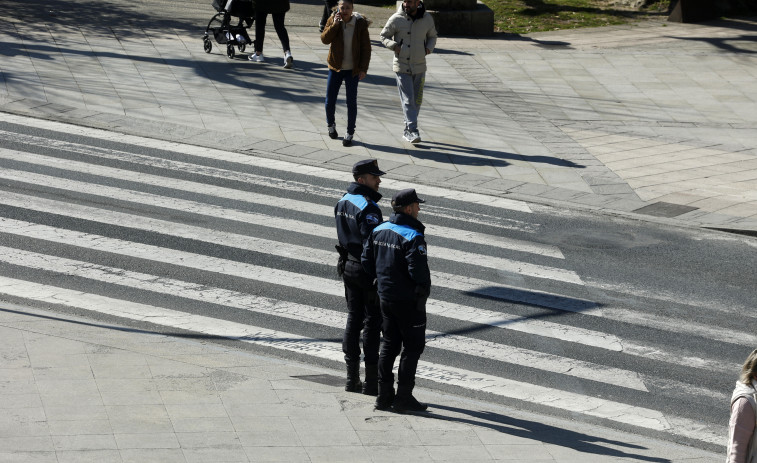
(222, 30)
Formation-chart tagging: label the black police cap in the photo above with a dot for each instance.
(405, 198)
(367, 166)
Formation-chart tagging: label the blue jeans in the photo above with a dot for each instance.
(333, 84)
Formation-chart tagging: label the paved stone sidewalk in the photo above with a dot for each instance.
(657, 120)
(78, 390)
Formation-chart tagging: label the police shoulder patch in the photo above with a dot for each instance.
(372, 219)
(422, 250)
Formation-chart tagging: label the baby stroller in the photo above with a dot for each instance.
(223, 31)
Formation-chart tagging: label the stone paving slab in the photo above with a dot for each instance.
(75, 389)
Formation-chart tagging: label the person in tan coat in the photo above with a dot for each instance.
(346, 33)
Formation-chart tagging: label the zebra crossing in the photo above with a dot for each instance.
(240, 247)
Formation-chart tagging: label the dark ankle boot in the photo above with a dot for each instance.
(353, 383)
(405, 402)
(385, 396)
(370, 385)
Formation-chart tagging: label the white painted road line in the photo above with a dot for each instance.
(335, 288)
(208, 153)
(502, 264)
(562, 400)
(241, 195)
(310, 314)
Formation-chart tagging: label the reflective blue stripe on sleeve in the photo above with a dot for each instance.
(357, 200)
(404, 231)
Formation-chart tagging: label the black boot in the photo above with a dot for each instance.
(370, 385)
(405, 402)
(353, 378)
(385, 396)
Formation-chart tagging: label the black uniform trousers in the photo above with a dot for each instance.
(363, 315)
(404, 327)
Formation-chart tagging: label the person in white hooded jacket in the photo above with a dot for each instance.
(742, 429)
(411, 34)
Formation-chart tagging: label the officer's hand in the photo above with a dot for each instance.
(423, 291)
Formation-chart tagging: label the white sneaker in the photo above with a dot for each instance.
(347, 140)
(257, 58)
(288, 60)
(332, 132)
(411, 137)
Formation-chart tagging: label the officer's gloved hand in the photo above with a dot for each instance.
(342, 261)
(372, 296)
(421, 294)
(422, 291)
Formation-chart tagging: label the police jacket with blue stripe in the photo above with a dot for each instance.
(396, 255)
(357, 214)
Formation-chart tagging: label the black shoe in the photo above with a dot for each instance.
(347, 140)
(408, 404)
(353, 383)
(385, 397)
(353, 386)
(370, 385)
(332, 132)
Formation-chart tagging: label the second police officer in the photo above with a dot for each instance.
(357, 214)
(396, 251)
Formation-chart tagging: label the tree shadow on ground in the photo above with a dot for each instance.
(92, 13)
(741, 44)
(533, 430)
(537, 42)
(540, 7)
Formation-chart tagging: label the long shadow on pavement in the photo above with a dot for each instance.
(494, 158)
(547, 434)
(729, 44)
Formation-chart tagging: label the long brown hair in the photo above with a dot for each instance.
(749, 370)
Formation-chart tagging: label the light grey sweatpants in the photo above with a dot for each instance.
(411, 97)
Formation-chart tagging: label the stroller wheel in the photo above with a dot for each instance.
(230, 51)
(242, 47)
(207, 45)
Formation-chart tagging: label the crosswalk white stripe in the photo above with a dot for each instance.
(335, 288)
(460, 283)
(613, 313)
(299, 281)
(255, 198)
(563, 400)
(310, 314)
(586, 307)
(230, 156)
(173, 257)
(502, 264)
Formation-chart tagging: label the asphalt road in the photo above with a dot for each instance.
(529, 302)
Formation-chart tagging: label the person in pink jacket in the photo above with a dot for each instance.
(742, 432)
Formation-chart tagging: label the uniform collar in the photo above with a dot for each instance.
(362, 190)
(403, 219)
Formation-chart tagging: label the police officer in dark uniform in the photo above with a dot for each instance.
(396, 254)
(357, 214)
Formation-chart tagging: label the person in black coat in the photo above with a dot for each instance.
(277, 9)
(396, 255)
(357, 214)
